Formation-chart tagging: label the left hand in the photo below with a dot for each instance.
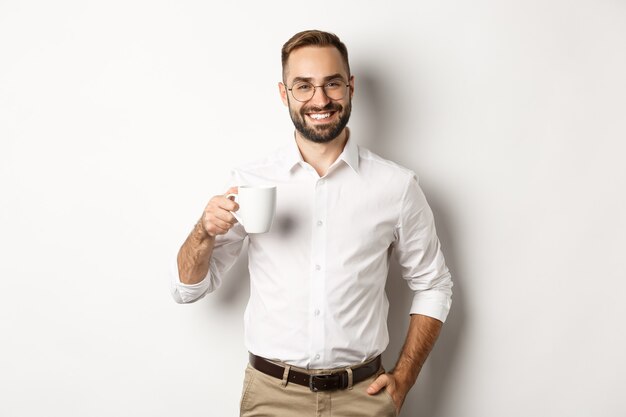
(394, 387)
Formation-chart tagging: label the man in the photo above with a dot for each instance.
(316, 321)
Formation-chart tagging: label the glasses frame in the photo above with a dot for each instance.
(320, 86)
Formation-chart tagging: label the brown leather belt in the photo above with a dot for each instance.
(326, 382)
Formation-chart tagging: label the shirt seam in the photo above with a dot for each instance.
(402, 203)
(369, 156)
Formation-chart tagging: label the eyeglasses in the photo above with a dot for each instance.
(304, 91)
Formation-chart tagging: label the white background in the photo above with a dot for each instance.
(120, 119)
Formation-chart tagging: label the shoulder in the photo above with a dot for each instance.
(375, 164)
(392, 183)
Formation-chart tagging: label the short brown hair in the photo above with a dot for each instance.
(313, 38)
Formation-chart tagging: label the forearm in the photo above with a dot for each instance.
(422, 335)
(194, 255)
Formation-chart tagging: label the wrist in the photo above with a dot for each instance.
(200, 232)
(404, 380)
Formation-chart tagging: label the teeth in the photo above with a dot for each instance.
(319, 116)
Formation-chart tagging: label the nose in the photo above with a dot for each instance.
(319, 97)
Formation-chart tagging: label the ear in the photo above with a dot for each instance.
(283, 93)
(351, 86)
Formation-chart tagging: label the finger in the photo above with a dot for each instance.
(232, 190)
(218, 225)
(212, 217)
(214, 230)
(378, 384)
(226, 204)
(226, 216)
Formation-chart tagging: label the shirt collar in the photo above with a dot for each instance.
(350, 155)
(291, 155)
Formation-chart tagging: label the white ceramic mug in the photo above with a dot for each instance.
(257, 205)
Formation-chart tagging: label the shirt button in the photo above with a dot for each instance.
(316, 312)
(317, 356)
(319, 222)
(317, 267)
(321, 182)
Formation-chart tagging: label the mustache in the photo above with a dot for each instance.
(329, 107)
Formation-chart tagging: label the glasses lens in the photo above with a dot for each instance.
(304, 91)
(335, 89)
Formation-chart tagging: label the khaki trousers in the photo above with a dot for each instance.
(266, 396)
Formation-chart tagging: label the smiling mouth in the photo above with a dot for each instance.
(320, 116)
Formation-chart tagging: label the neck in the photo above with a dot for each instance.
(322, 155)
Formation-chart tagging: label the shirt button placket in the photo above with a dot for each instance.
(318, 273)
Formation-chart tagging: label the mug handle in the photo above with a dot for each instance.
(236, 201)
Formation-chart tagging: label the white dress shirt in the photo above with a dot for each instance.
(317, 278)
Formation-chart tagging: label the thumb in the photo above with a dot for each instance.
(378, 384)
(232, 190)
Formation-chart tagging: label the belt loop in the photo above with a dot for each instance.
(349, 371)
(285, 376)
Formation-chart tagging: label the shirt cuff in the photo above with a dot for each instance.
(433, 303)
(189, 293)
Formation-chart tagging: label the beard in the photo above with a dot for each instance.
(321, 133)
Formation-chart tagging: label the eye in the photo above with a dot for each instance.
(334, 84)
(302, 86)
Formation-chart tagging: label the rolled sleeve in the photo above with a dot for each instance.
(419, 254)
(188, 293)
(225, 252)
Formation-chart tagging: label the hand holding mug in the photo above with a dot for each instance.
(218, 218)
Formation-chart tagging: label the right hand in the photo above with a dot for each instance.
(217, 218)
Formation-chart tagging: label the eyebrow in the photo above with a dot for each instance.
(310, 79)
